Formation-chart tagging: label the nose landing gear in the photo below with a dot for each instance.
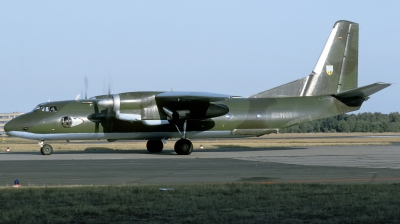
(45, 149)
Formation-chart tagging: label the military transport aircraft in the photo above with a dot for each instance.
(330, 89)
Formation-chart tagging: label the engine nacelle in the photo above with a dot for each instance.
(216, 110)
(137, 106)
(197, 112)
(177, 114)
(127, 109)
(133, 106)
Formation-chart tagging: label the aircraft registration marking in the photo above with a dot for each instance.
(282, 115)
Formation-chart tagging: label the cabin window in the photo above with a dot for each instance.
(259, 115)
(228, 116)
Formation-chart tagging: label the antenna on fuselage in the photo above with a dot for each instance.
(77, 97)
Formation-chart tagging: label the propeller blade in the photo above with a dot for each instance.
(96, 111)
(86, 87)
(109, 87)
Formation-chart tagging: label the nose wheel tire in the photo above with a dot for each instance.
(183, 147)
(46, 149)
(154, 146)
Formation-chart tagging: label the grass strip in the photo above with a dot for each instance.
(203, 203)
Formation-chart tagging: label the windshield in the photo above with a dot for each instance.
(38, 107)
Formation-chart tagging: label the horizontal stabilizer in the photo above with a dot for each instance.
(355, 97)
(363, 91)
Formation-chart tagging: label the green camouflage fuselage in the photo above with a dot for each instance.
(246, 117)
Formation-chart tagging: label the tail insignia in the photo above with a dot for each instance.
(329, 69)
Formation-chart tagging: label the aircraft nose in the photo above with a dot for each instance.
(8, 126)
(12, 125)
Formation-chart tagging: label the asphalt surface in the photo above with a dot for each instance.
(341, 164)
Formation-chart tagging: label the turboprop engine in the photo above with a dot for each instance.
(146, 107)
(131, 107)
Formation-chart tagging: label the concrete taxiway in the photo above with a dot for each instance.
(319, 164)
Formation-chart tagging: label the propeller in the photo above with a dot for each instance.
(97, 123)
(86, 87)
(110, 114)
(97, 117)
(105, 117)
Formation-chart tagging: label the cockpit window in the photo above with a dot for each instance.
(46, 108)
(38, 107)
(53, 109)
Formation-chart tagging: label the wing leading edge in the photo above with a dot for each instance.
(190, 96)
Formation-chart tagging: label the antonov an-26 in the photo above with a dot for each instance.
(329, 90)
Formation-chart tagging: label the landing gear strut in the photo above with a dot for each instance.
(45, 149)
(183, 146)
(154, 146)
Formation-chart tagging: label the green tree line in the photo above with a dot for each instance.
(362, 122)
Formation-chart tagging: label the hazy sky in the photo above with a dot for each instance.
(228, 47)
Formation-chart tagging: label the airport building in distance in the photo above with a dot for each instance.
(5, 117)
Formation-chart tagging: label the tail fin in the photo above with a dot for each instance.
(335, 71)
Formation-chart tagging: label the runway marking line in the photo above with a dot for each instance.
(335, 180)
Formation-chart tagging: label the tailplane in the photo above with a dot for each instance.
(355, 97)
(336, 69)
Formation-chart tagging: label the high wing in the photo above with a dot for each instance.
(156, 108)
(190, 96)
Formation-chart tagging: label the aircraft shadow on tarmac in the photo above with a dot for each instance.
(166, 152)
(247, 149)
(172, 152)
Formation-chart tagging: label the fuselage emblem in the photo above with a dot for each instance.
(329, 69)
(68, 122)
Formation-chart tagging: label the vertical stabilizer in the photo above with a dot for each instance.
(336, 69)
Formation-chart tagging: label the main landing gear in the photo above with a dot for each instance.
(182, 147)
(154, 146)
(45, 149)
